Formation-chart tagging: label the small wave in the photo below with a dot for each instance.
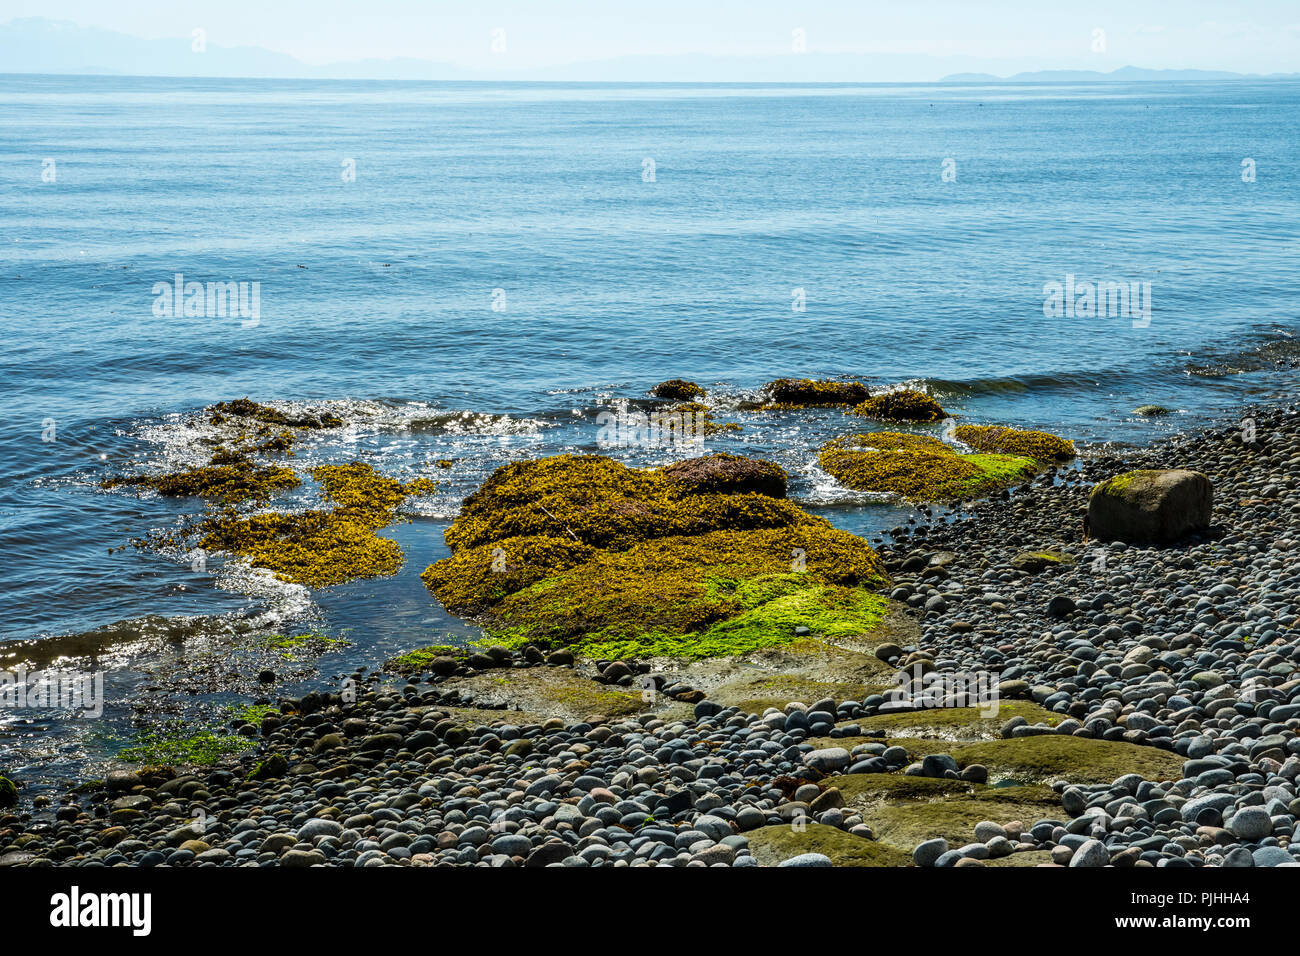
(1269, 349)
(822, 490)
(123, 639)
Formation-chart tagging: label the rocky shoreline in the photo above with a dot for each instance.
(1148, 716)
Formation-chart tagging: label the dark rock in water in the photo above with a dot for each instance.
(678, 389)
(8, 793)
(1150, 506)
(808, 393)
(728, 475)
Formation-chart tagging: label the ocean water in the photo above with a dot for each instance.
(474, 272)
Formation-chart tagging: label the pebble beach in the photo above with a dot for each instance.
(1147, 709)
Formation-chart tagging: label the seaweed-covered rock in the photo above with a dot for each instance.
(728, 474)
(995, 439)
(321, 547)
(235, 478)
(697, 559)
(901, 405)
(810, 393)
(245, 408)
(727, 592)
(233, 473)
(1150, 505)
(918, 467)
(475, 578)
(8, 793)
(677, 389)
(601, 502)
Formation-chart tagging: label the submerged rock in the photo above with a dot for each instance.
(677, 389)
(809, 393)
(1043, 446)
(902, 405)
(919, 467)
(1150, 506)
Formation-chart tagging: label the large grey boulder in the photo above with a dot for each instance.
(1150, 506)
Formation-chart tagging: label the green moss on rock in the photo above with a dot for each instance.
(181, 749)
(772, 844)
(318, 547)
(919, 468)
(995, 439)
(252, 713)
(473, 579)
(670, 594)
(703, 558)
(237, 480)
(954, 816)
(291, 645)
(958, 722)
(860, 788)
(1077, 759)
(415, 661)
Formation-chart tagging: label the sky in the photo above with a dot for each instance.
(1256, 36)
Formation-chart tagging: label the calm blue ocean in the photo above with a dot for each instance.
(530, 254)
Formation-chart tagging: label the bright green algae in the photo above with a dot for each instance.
(687, 562)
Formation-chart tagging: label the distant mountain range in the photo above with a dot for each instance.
(40, 45)
(1127, 74)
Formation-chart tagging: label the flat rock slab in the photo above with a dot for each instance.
(957, 723)
(1025, 858)
(1077, 759)
(772, 845)
(954, 816)
(552, 691)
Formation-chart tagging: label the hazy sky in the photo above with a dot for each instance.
(1254, 36)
